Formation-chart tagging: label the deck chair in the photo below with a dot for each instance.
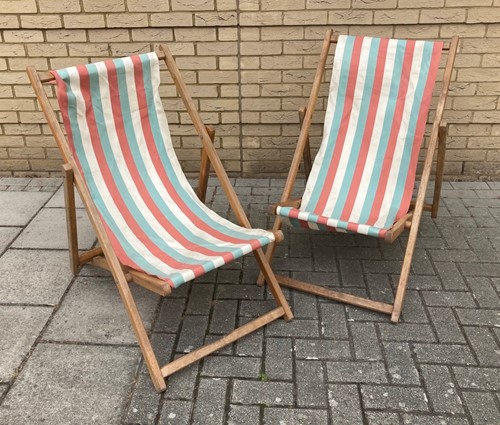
(152, 228)
(363, 175)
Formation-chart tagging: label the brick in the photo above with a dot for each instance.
(192, 5)
(278, 358)
(387, 17)
(84, 21)
(400, 364)
(107, 6)
(446, 325)
(482, 407)
(428, 16)
(357, 372)
(351, 16)
(260, 392)
(18, 6)
(150, 6)
(127, 20)
(218, 19)
(366, 342)
(345, 404)
(231, 367)
(394, 397)
(274, 415)
(443, 353)
(310, 382)
(68, 36)
(210, 400)
(484, 345)
(49, 6)
(441, 389)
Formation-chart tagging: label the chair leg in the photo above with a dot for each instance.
(141, 334)
(269, 251)
(405, 273)
(71, 226)
(268, 275)
(441, 151)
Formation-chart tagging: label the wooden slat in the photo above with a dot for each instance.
(294, 203)
(204, 168)
(441, 148)
(307, 147)
(204, 351)
(85, 257)
(149, 282)
(71, 225)
(334, 295)
(446, 45)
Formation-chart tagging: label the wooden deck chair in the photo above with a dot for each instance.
(151, 226)
(363, 176)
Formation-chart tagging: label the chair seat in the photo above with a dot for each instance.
(310, 220)
(200, 256)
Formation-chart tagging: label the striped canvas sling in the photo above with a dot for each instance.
(120, 139)
(363, 175)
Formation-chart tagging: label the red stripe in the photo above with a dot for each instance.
(155, 159)
(113, 189)
(393, 137)
(344, 124)
(136, 177)
(420, 128)
(368, 131)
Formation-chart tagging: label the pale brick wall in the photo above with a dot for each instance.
(248, 63)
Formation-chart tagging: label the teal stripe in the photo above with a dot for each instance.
(386, 131)
(336, 120)
(360, 129)
(91, 184)
(410, 135)
(171, 164)
(127, 197)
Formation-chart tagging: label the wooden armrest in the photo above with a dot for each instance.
(294, 203)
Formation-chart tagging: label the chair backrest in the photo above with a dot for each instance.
(380, 93)
(120, 141)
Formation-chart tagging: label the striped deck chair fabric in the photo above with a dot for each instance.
(363, 175)
(119, 137)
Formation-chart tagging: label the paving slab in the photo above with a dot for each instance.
(71, 385)
(34, 276)
(48, 231)
(7, 235)
(93, 312)
(57, 201)
(22, 206)
(20, 327)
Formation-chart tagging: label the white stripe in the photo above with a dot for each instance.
(351, 129)
(137, 245)
(376, 134)
(330, 112)
(401, 138)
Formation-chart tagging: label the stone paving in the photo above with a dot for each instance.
(68, 356)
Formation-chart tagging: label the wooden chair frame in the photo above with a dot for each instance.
(410, 221)
(105, 257)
